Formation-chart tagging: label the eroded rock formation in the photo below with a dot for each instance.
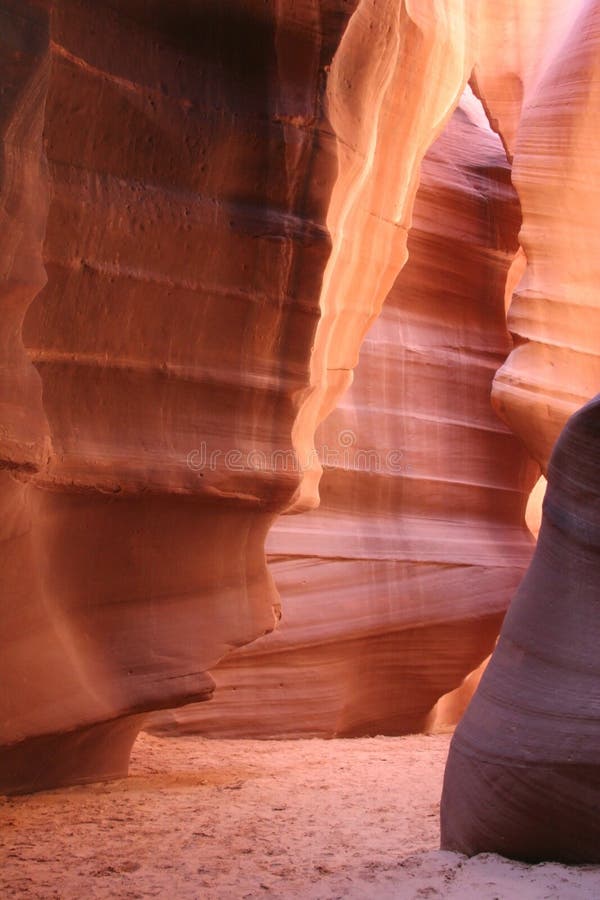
(555, 312)
(395, 588)
(166, 159)
(516, 42)
(204, 207)
(523, 777)
(223, 207)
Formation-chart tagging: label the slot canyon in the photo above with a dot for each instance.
(299, 448)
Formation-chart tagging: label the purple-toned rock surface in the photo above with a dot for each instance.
(523, 774)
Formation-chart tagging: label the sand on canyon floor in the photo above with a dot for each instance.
(261, 819)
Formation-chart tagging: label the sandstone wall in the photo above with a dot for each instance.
(394, 589)
(196, 183)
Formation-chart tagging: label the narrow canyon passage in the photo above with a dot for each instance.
(287, 139)
(394, 589)
(297, 299)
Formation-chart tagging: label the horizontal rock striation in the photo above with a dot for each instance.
(203, 208)
(394, 590)
(176, 141)
(522, 777)
(194, 181)
(554, 315)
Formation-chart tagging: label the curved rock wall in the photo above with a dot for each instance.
(385, 116)
(393, 591)
(516, 42)
(178, 139)
(213, 173)
(554, 315)
(523, 777)
(204, 207)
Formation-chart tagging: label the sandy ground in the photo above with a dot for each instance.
(261, 819)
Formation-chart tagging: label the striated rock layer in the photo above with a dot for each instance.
(204, 207)
(523, 776)
(385, 117)
(394, 590)
(218, 196)
(516, 42)
(554, 315)
(129, 573)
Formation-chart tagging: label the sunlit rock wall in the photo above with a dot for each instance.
(394, 590)
(218, 196)
(522, 777)
(554, 315)
(204, 208)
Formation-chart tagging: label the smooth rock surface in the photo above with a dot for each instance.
(523, 777)
(516, 42)
(186, 191)
(203, 209)
(394, 590)
(554, 315)
(166, 154)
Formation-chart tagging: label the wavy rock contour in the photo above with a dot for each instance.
(215, 173)
(523, 777)
(395, 588)
(554, 315)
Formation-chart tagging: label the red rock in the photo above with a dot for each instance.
(177, 142)
(394, 590)
(24, 70)
(204, 207)
(517, 41)
(555, 313)
(522, 777)
(209, 169)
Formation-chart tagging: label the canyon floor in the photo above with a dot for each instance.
(261, 819)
